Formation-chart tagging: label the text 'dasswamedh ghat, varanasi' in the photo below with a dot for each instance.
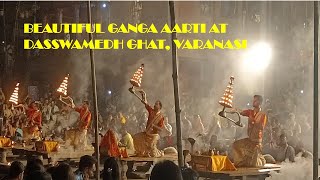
(113, 28)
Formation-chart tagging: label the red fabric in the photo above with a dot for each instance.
(34, 116)
(256, 123)
(152, 115)
(110, 143)
(169, 140)
(85, 117)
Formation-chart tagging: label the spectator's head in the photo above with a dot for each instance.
(189, 174)
(87, 165)
(33, 164)
(111, 169)
(16, 170)
(214, 138)
(63, 172)
(283, 139)
(39, 175)
(123, 131)
(166, 170)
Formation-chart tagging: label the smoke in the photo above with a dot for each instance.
(301, 169)
(204, 75)
(80, 76)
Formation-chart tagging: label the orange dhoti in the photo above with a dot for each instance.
(77, 138)
(146, 145)
(247, 153)
(31, 132)
(81, 139)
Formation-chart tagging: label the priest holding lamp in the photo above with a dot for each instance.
(246, 152)
(146, 142)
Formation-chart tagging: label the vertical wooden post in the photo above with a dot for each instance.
(95, 98)
(176, 85)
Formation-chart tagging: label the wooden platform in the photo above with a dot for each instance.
(151, 159)
(242, 173)
(51, 156)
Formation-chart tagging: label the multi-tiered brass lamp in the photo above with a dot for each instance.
(226, 102)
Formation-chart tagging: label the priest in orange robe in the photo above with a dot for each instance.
(85, 115)
(146, 142)
(84, 123)
(34, 115)
(248, 152)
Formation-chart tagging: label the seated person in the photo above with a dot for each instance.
(304, 153)
(284, 151)
(127, 141)
(109, 145)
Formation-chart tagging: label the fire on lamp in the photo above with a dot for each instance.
(63, 89)
(64, 86)
(15, 95)
(226, 102)
(136, 81)
(137, 77)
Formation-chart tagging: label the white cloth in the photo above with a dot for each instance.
(167, 131)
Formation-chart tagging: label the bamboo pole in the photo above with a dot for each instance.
(315, 94)
(176, 85)
(95, 98)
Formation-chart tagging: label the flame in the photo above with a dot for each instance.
(64, 86)
(137, 77)
(226, 99)
(15, 95)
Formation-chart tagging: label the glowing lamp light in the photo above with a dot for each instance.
(109, 92)
(64, 86)
(301, 91)
(248, 104)
(137, 77)
(258, 57)
(226, 99)
(104, 5)
(15, 95)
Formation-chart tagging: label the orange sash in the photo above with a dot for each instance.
(82, 119)
(154, 121)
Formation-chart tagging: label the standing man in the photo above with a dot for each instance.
(34, 115)
(248, 152)
(84, 122)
